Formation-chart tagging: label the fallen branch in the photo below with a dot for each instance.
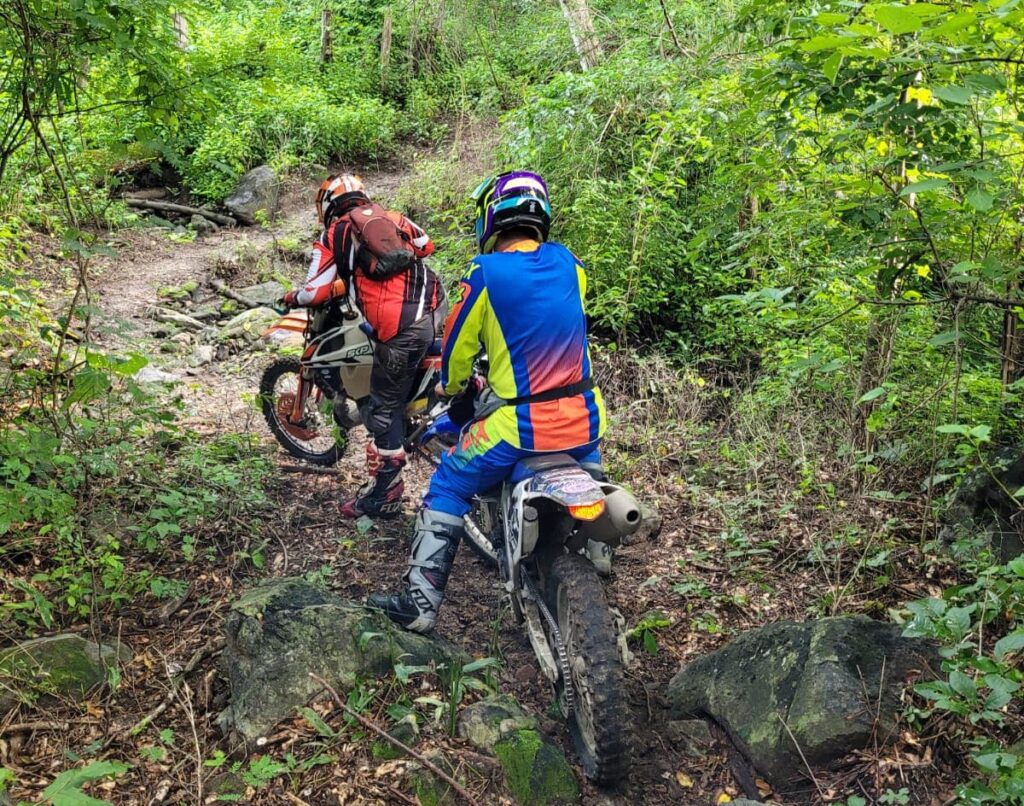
(224, 289)
(366, 723)
(29, 727)
(170, 207)
(311, 469)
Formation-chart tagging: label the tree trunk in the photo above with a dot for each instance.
(581, 29)
(748, 217)
(1012, 343)
(181, 30)
(385, 46)
(326, 48)
(874, 369)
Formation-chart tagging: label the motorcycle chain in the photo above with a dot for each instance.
(563, 656)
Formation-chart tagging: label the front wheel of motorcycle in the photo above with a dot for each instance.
(600, 723)
(316, 438)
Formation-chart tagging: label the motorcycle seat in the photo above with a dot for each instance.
(536, 464)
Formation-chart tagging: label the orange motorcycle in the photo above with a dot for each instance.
(311, 401)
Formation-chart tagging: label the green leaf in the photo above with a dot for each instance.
(831, 66)
(953, 25)
(952, 428)
(830, 42)
(870, 395)
(962, 684)
(924, 186)
(940, 339)
(66, 789)
(960, 96)
(1009, 643)
(980, 200)
(830, 18)
(980, 433)
(324, 730)
(650, 643)
(895, 19)
(480, 663)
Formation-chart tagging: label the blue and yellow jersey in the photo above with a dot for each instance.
(525, 306)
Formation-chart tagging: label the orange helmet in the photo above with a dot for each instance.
(338, 195)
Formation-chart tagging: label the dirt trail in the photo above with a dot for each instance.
(146, 261)
(307, 537)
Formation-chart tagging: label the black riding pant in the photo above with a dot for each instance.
(395, 365)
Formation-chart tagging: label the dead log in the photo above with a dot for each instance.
(169, 207)
(224, 289)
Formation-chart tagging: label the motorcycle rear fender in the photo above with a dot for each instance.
(288, 330)
(570, 486)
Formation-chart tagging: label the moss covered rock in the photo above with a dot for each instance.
(536, 770)
(806, 679)
(281, 631)
(61, 665)
(484, 723)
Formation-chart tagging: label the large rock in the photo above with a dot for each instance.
(258, 190)
(536, 770)
(284, 629)
(824, 681)
(66, 666)
(983, 509)
(248, 325)
(267, 293)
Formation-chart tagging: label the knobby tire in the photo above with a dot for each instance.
(268, 402)
(602, 678)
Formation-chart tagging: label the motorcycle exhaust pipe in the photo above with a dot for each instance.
(621, 517)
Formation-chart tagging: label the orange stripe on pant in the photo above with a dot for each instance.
(560, 424)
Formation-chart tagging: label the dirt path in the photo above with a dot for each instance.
(307, 538)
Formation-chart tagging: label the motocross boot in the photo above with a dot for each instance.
(381, 496)
(430, 563)
(600, 554)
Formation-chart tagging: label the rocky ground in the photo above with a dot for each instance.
(685, 590)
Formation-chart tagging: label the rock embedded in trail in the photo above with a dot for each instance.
(258, 190)
(248, 325)
(484, 723)
(170, 317)
(266, 294)
(202, 355)
(824, 681)
(281, 631)
(154, 375)
(535, 768)
(201, 225)
(983, 508)
(65, 665)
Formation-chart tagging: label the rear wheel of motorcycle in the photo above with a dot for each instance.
(600, 723)
(325, 443)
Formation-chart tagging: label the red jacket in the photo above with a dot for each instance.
(389, 305)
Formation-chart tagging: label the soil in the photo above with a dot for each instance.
(726, 586)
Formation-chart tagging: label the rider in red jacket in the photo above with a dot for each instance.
(401, 309)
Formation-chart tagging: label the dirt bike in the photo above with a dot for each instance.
(534, 528)
(310, 402)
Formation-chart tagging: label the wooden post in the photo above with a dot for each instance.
(326, 49)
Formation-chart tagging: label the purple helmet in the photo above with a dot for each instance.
(510, 200)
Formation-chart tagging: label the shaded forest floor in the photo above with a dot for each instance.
(742, 544)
